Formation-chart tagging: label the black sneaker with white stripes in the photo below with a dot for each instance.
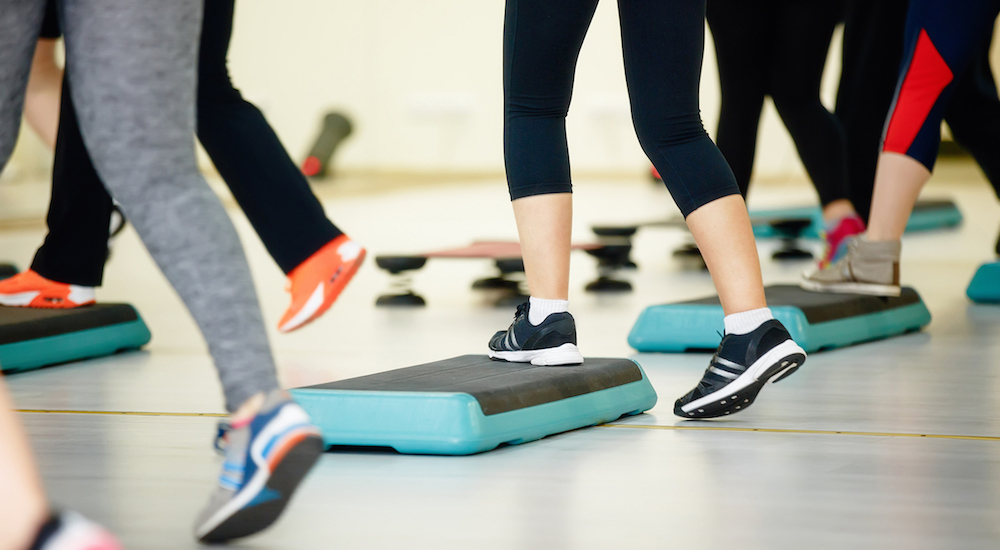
(739, 369)
(553, 342)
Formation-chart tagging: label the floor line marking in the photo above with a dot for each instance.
(628, 426)
(121, 413)
(801, 432)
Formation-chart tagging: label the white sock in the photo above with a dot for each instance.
(747, 321)
(540, 309)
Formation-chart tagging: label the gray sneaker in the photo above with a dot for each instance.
(868, 268)
(266, 460)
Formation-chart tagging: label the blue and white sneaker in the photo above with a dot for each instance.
(266, 460)
(551, 343)
(739, 369)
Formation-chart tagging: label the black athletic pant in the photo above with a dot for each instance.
(778, 48)
(265, 182)
(974, 114)
(873, 50)
(663, 43)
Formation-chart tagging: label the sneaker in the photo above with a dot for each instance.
(868, 268)
(838, 237)
(317, 282)
(553, 342)
(739, 369)
(29, 289)
(71, 531)
(266, 459)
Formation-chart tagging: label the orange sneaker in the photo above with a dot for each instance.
(316, 282)
(29, 289)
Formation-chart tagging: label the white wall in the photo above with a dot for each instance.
(422, 80)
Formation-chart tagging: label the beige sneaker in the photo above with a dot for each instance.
(868, 268)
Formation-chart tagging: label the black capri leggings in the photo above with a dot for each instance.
(663, 43)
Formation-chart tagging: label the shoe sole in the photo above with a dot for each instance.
(774, 366)
(566, 354)
(27, 299)
(310, 312)
(869, 289)
(285, 478)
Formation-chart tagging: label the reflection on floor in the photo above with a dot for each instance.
(833, 457)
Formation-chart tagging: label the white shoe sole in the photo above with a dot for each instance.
(78, 295)
(759, 368)
(19, 299)
(870, 289)
(310, 308)
(566, 354)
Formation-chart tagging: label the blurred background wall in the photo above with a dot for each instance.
(422, 82)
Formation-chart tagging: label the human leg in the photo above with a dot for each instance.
(873, 48)
(142, 150)
(265, 182)
(41, 104)
(799, 54)
(663, 87)
(132, 67)
(662, 43)
(541, 43)
(270, 189)
(76, 246)
(542, 39)
(27, 521)
(802, 41)
(22, 503)
(742, 32)
(941, 40)
(973, 115)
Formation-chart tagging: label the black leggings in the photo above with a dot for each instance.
(778, 48)
(663, 42)
(265, 182)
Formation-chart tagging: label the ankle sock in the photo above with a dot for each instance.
(540, 309)
(747, 321)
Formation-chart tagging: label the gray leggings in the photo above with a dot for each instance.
(132, 64)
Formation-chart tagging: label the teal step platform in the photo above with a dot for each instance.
(816, 320)
(470, 404)
(985, 285)
(927, 215)
(32, 338)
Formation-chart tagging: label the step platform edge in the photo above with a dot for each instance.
(453, 423)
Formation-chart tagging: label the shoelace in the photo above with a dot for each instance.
(221, 436)
(521, 309)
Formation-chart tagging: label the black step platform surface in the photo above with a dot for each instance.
(498, 386)
(820, 307)
(32, 338)
(470, 404)
(816, 320)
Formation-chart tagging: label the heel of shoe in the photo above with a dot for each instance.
(566, 354)
(779, 362)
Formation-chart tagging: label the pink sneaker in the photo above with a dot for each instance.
(837, 238)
